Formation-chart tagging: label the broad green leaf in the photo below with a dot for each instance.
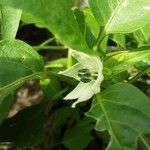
(79, 136)
(4, 107)
(102, 10)
(29, 19)
(17, 59)
(18, 63)
(121, 16)
(125, 60)
(123, 110)
(9, 22)
(26, 128)
(55, 15)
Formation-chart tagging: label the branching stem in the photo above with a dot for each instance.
(38, 48)
(139, 75)
(142, 138)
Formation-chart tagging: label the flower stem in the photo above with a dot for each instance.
(55, 75)
(100, 38)
(47, 41)
(139, 75)
(142, 138)
(38, 48)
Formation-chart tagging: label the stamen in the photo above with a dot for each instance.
(84, 70)
(86, 76)
(85, 80)
(84, 73)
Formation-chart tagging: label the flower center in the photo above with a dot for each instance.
(86, 76)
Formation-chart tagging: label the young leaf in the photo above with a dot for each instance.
(125, 60)
(124, 111)
(56, 15)
(121, 16)
(9, 22)
(51, 88)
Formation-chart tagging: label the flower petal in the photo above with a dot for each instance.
(88, 61)
(72, 71)
(87, 93)
(78, 91)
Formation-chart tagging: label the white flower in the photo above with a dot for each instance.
(88, 71)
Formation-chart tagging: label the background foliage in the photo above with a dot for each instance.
(118, 31)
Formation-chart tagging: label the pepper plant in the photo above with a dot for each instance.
(108, 46)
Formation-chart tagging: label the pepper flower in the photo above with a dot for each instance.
(88, 71)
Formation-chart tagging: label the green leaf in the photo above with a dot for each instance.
(124, 111)
(88, 25)
(17, 59)
(121, 16)
(79, 136)
(51, 89)
(59, 122)
(29, 19)
(60, 116)
(103, 46)
(102, 10)
(120, 40)
(55, 15)
(18, 63)
(125, 60)
(143, 35)
(9, 22)
(26, 128)
(91, 22)
(4, 107)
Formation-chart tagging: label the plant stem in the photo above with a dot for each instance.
(38, 48)
(47, 41)
(55, 75)
(145, 142)
(69, 60)
(100, 38)
(139, 75)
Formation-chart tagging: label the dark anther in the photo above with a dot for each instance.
(85, 80)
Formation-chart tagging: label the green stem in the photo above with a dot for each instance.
(139, 75)
(145, 142)
(69, 60)
(55, 75)
(47, 41)
(100, 38)
(38, 48)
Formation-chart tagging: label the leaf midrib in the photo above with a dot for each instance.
(1, 20)
(113, 15)
(32, 76)
(127, 105)
(109, 123)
